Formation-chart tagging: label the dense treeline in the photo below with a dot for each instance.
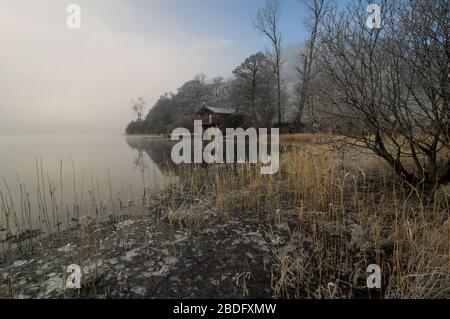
(250, 91)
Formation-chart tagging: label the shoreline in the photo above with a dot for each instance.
(230, 232)
(146, 257)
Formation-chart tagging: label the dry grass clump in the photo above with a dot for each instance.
(307, 138)
(343, 214)
(343, 210)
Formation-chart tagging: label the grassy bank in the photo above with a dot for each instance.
(343, 210)
(309, 231)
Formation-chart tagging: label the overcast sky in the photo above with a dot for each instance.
(56, 80)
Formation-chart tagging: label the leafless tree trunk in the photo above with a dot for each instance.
(392, 84)
(267, 22)
(317, 10)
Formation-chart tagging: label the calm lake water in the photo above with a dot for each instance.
(133, 163)
(46, 181)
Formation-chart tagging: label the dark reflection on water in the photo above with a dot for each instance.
(157, 149)
(82, 172)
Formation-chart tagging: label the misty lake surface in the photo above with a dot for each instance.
(107, 164)
(51, 180)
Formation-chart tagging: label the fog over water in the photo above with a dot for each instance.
(65, 94)
(57, 80)
(74, 166)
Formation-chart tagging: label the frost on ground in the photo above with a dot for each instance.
(147, 258)
(193, 252)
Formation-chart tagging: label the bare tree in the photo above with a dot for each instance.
(391, 84)
(317, 10)
(138, 108)
(267, 22)
(253, 88)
